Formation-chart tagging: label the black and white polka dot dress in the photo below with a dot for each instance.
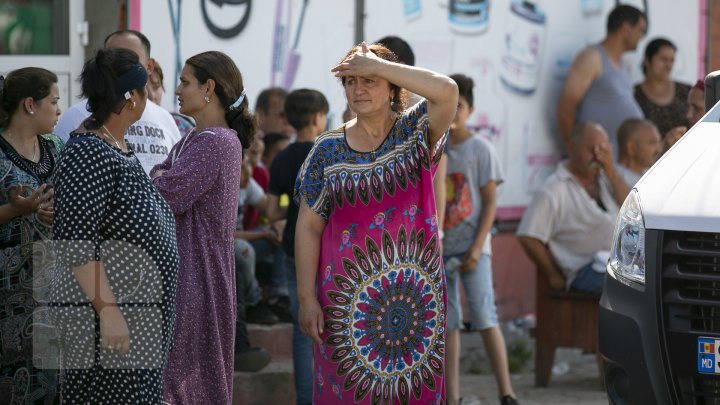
(108, 210)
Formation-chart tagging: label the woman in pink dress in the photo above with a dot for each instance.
(370, 280)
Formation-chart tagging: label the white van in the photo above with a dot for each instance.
(659, 316)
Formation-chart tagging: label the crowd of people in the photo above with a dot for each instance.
(145, 241)
(613, 133)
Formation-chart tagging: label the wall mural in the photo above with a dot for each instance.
(517, 52)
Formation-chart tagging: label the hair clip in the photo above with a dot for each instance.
(239, 101)
(127, 95)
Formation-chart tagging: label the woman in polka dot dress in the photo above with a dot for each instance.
(114, 295)
(200, 180)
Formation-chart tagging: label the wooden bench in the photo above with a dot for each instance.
(564, 319)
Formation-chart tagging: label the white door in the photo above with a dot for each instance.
(45, 33)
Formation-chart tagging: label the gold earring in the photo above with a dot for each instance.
(207, 99)
(133, 105)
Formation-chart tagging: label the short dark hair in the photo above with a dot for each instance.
(22, 83)
(302, 104)
(465, 87)
(653, 47)
(143, 39)
(627, 130)
(623, 14)
(269, 140)
(98, 78)
(263, 99)
(400, 48)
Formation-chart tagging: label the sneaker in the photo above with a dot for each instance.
(508, 400)
(260, 313)
(251, 360)
(281, 308)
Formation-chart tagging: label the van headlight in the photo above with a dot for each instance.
(627, 255)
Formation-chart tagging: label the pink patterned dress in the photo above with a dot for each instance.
(380, 278)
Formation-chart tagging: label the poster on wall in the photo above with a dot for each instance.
(517, 52)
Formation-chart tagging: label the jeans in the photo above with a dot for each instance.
(268, 258)
(248, 290)
(302, 345)
(588, 280)
(479, 294)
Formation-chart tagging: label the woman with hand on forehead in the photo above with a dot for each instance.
(370, 280)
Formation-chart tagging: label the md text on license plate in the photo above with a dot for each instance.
(708, 355)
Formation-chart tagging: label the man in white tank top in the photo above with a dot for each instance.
(597, 87)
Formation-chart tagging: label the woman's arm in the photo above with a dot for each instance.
(19, 205)
(93, 280)
(308, 234)
(440, 91)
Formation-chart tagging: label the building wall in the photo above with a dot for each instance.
(103, 19)
(713, 54)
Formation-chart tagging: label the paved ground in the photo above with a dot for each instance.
(575, 381)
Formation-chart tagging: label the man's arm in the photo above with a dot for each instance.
(273, 209)
(620, 188)
(541, 256)
(603, 154)
(584, 70)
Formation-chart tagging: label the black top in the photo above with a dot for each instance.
(41, 170)
(283, 172)
(669, 116)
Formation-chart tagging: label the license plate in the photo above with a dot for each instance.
(708, 355)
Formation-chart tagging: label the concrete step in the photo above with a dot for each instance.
(272, 385)
(276, 339)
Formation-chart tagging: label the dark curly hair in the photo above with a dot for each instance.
(98, 82)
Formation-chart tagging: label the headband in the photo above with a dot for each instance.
(239, 101)
(136, 77)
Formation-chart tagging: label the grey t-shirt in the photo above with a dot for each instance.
(471, 165)
(628, 175)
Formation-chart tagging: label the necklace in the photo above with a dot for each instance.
(111, 136)
(35, 147)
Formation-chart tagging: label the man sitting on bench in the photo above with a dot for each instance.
(568, 227)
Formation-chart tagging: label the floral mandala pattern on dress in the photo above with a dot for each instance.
(387, 317)
(354, 176)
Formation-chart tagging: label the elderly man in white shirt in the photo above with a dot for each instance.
(569, 223)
